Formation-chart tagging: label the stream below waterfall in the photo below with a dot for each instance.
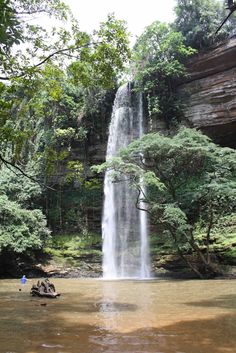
(95, 316)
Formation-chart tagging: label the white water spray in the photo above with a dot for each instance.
(124, 227)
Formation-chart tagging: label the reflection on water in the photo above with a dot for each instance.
(95, 316)
(125, 303)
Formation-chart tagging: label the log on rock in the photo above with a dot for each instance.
(44, 289)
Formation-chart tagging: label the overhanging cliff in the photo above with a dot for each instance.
(210, 93)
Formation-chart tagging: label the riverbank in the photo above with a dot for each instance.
(90, 266)
(77, 256)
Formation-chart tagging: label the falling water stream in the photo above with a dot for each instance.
(121, 316)
(125, 228)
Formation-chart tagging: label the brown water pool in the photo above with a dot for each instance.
(95, 316)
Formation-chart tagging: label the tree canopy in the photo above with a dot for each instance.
(48, 77)
(57, 86)
(190, 186)
(22, 230)
(91, 60)
(159, 56)
(198, 21)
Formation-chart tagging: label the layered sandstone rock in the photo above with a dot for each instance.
(210, 93)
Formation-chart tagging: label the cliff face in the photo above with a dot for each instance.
(210, 93)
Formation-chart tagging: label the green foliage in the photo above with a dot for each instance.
(10, 29)
(75, 171)
(16, 29)
(42, 119)
(55, 151)
(158, 64)
(37, 86)
(198, 21)
(23, 226)
(21, 230)
(102, 58)
(73, 206)
(18, 188)
(74, 241)
(74, 245)
(223, 233)
(194, 183)
(112, 52)
(194, 171)
(96, 59)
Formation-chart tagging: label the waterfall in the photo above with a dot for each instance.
(145, 263)
(124, 227)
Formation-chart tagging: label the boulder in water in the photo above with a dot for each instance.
(44, 289)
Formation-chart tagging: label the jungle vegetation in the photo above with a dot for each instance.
(57, 87)
(190, 190)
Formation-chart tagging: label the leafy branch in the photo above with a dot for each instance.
(11, 165)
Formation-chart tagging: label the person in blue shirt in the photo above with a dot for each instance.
(23, 280)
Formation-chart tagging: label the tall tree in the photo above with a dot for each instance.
(91, 60)
(158, 56)
(198, 21)
(190, 187)
(49, 75)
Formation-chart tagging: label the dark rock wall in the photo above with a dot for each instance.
(210, 93)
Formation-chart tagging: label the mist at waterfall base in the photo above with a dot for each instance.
(124, 227)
